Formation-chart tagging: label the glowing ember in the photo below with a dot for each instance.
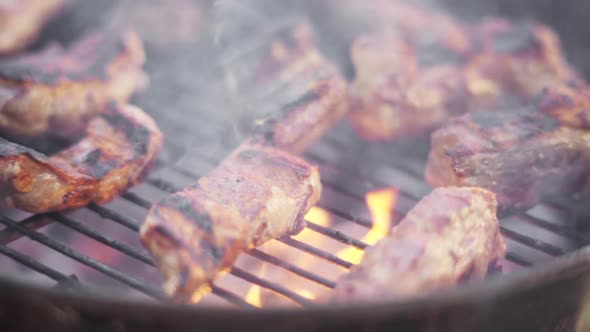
(380, 204)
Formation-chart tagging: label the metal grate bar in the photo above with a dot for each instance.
(88, 261)
(270, 285)
(231, 297)
(539, 245)
(114, 216)
(33, 222)
(291, 268)
(122, 247)
(33, 264)
(516, 258)
(316, 252)
(337, 235)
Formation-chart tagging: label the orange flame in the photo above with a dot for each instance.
(380, 204)
(316, 215)
(254, 295)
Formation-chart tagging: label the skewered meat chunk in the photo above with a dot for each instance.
(59, 90)
(256, 194)
(450, 236)
(289, 94)
(119, 146)
(522, 156)
(22, 20)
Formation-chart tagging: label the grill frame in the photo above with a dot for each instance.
(496, 304)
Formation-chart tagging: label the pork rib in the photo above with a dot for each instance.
(450, 236)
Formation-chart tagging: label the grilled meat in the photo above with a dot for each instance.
(522, 156)
(407, 86)
(450, 236)
(289, 95)
(22, 20)
(118, 148)
(162, 24)
(570, 103)
(435, 67)
(522, 56)
(59, 90)
(256, 194)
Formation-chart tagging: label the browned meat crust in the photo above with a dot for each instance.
(119, 146)
(59, 90)
(523, 56)
(256, 194)
(162, 24)
(290, 94)
(435, 67)
(569, 103)
(22, 20)
(450, 236)
(522, 156)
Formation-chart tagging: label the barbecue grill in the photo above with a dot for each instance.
(89, 271)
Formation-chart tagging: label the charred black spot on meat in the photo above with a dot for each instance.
(303, 100)
(137, 135)
(92, 158)
(301, 171)
(164, 232)
(211, 250)
(185, 207)
(519, 38)
(434, 54)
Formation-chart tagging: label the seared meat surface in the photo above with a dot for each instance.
(450, 236)
(118, 148)
(433, 67)
(256, 194)
(522, 156)
(522, 56)
(22, 20)
(286, 92)
(405, 86)
(58, 90)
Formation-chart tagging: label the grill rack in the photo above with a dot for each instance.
(524, 249)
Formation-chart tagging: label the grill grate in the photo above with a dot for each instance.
(345, 181)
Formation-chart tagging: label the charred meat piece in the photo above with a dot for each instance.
(521, 56)
(22, 20)
(256, 194)
(450, 236)
(162, 24)
(287, 93)
(522, 156)
(119, 146)
(59, 90)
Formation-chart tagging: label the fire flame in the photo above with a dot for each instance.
(380, 203)
(316, 215)
(253, 296)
